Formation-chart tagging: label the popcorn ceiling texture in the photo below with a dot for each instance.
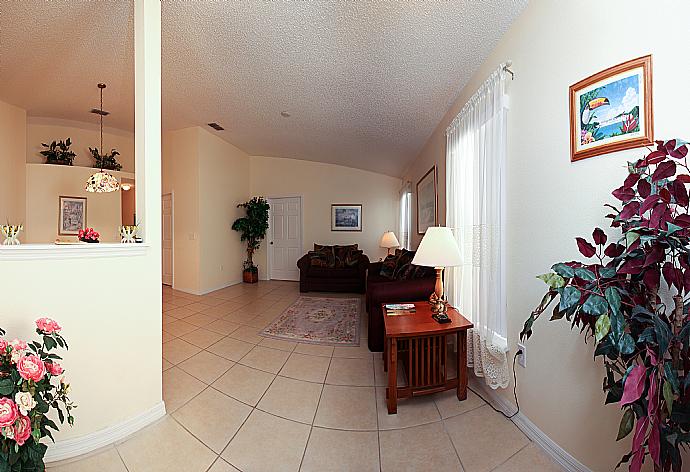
(366, 82)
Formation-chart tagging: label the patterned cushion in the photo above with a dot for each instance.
(388, 266)
(337, 256)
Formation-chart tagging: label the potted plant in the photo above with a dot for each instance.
(252, 229)
(633, 297)
(58, 152)
(88, 235)
(32, 389)
(105, 161)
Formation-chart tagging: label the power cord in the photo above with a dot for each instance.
(517, 403)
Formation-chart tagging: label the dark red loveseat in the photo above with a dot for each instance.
(343, 277)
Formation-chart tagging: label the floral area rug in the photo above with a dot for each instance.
(331, 321)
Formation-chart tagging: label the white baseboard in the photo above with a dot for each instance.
(556, 452)
(70, 448)
(204, 292)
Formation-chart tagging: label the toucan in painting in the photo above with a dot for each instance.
(588, 111)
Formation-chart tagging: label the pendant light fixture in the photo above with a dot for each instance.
(101, 181)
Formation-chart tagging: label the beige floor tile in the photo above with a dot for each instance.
(247, 334)
(244, 383)
(178, 350)
(230, 348)
(180, 327)
(343, 407)
(336, 451)
(181, 313)
(303, 367)
(484, 439)
(222, 327)
(107, 460)
(292, 399)
(166, 365)
(358, 372)
(213, 417)
(206, 367)
(411, 411)
(201, 319)
(418, 449)
(287, 346)
(263, 358)
(314, 349)
(179, 387)
(250, 451)
(163, 447)
(167, 336)
(202, 338)
(259, 322)
(197, 307)
(221, 466)
(448, 404)
(211, 301)
(529, 459)
(356, 352)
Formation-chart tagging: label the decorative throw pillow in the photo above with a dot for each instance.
(352, 258)
(388, 266)
(317, 259)
(403, 264)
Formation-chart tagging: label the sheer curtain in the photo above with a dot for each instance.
(475, 210)
(405, 216)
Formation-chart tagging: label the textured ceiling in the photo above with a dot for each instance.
(366, 82)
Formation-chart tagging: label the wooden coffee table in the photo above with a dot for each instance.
(420, 344)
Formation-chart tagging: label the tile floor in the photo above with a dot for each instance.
(238, 401)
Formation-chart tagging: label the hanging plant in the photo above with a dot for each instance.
(58, 152)
(105, 161)
(632, 297)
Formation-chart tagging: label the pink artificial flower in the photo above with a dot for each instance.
(3, 346)
(54, 368)
(18, 345)
(8, 412)
(31, 368)
(22, 429)
(47, 326)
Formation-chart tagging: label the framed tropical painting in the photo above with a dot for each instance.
(612, 110)
(346, 217)
(427, 201)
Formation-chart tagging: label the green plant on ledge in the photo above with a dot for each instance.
(58, 152)
(105, 161)
(252, 229)
(633, 298)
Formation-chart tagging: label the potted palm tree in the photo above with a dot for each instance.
(252, 229)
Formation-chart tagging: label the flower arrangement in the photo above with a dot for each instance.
(128, 233)
(31, 386)
(11, 233)
(633, 298)
(88, 235)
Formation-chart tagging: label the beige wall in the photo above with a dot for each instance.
(12, 164)
(83, 136)
(551, 200)
(322, 184)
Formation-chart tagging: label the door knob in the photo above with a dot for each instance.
(271, 243)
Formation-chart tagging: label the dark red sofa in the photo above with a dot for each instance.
(332, 279)
(381, 289)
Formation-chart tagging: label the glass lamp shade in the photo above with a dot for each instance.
(102, 182)
(438, 249)
(389, 241)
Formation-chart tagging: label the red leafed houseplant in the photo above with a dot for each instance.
(633, 296)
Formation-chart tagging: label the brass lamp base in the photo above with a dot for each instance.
(439, 308)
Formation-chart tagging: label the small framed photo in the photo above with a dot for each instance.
(612, 110)
(346, 217)
(72, 215)
(427, 201)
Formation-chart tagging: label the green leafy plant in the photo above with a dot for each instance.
(105, 161)
(252, 228)
(58, 152)
(633, 299)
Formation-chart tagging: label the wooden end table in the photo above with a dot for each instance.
(420, 344)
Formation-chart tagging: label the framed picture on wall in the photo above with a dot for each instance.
(72, 216)
(427, 201)
(612, 110)
(346, 217)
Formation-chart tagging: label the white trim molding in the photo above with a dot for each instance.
(71, 448)
(27, 252)
(553, 450)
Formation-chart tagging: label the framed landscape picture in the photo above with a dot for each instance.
(346, 217)
(427, 199)
(72, 216)
(612, 110)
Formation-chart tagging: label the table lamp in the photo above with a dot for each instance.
(438, 249)
(389, 241)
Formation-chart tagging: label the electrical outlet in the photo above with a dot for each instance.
(522, 358)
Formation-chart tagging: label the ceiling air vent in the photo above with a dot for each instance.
(96, 111)
(216, 126)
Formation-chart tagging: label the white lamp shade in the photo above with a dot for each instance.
(388, 240)
(438, 249)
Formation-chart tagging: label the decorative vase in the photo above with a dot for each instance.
(11, 233)
(128, 234)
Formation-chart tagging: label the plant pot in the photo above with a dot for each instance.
(250, 276)
(91, 241)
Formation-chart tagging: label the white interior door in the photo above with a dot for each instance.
(285, 243)
(167, 210)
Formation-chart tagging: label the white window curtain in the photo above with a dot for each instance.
(405, 216)
(475, 210)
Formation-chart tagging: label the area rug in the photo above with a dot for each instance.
(316, 320)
